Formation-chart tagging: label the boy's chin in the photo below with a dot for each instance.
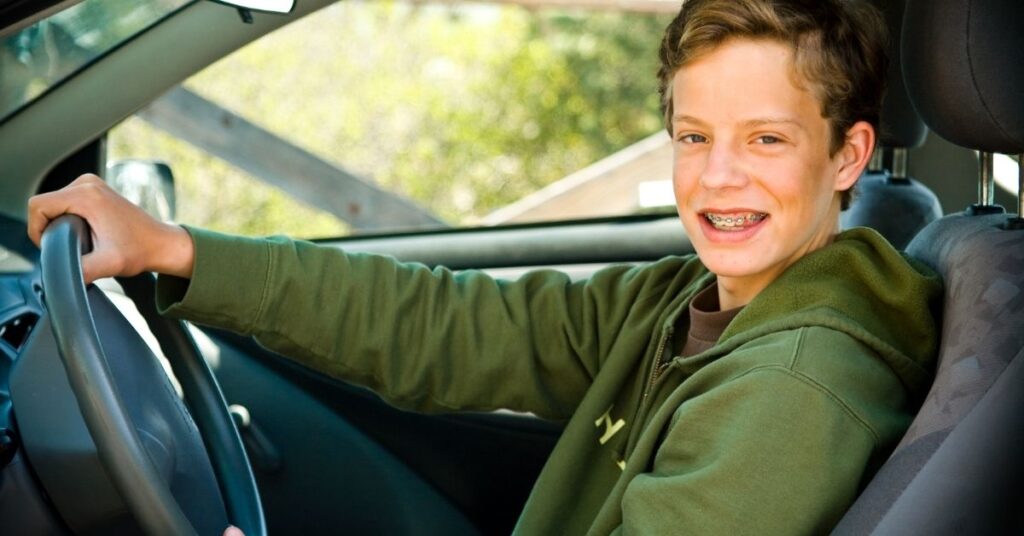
(736, 264)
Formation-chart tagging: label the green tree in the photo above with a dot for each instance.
(462, 109)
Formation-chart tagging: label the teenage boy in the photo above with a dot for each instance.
(748, 389)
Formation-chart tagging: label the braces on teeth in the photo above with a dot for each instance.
(730, 221)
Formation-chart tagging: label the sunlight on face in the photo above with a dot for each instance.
(754, 183)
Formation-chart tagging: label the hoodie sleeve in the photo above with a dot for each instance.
(428, 340)
(771, 452)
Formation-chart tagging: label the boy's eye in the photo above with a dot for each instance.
(768, 140)
(693, 138)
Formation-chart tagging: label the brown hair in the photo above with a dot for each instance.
(839, 46)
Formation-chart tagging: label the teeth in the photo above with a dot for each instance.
(734, 221)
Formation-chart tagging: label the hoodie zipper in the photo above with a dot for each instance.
(641, 408)
(658, 365)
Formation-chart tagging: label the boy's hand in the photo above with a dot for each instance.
(126, 240)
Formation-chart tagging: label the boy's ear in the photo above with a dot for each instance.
(855, 154)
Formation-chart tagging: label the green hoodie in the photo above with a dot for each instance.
(771, 431)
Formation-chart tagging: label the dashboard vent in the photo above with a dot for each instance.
(16, 330)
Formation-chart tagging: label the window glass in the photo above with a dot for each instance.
(1007, 172)
(464, 114)
(42, 55)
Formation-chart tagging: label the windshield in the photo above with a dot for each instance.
(40, 56)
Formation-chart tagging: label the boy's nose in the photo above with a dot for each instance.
(722, 168)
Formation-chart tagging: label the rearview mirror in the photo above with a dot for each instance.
(147, 183)
(267, 6)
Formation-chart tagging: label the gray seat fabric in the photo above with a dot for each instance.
(901, 125)
(946, 476)
(963, 70)
(896, 208)
(960, 467)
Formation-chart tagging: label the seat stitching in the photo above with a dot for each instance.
(974, 78)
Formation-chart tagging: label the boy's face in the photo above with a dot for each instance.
(755, 186)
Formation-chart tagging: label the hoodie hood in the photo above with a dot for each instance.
(862, 286)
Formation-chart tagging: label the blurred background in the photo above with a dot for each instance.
(461, 108)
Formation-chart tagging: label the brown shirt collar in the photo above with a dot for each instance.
(707, 322)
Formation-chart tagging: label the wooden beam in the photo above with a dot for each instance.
(620, 6)
(192, 118)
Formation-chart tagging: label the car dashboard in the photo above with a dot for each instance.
(22, 503)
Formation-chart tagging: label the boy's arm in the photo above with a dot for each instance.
(425, 339)
(430, 340)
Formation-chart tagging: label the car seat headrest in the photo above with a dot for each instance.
(963, 64)
(901, 125)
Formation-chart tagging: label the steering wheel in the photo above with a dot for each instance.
(125, 449)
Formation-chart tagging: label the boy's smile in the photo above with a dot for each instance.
(755, 185)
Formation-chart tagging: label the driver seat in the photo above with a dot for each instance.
(960, 467)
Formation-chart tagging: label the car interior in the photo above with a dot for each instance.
(329, 457)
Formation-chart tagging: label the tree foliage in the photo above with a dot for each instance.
(462, 109)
